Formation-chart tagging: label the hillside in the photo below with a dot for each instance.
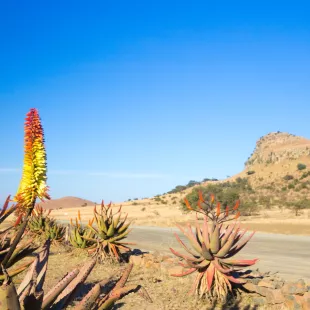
(66, 202)
(273, 189)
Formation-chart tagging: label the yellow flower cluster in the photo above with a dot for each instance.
(33, 182)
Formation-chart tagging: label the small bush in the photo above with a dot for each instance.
(291, 186)
(288, 177)
(250, 172)
(300, 205)
(301, 166)
(304, 175)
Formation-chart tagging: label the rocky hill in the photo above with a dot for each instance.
(279, 147)
(277, 174)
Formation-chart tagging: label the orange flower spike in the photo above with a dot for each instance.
(71, 222)
(199, 205)
(236, 205)
(218, 209)
(227, 211)
(212, 198)
(33, 182)
(200, 196)
(237, 215)
(76, 221)
(79, 215)
(187, 204)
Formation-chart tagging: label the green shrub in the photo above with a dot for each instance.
(288, 177)
(304, 175)
(297, 206)
(301, 166)
(226, 193)
(291, 186)
(177, 189)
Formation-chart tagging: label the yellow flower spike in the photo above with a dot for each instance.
(79, 215)
(33, 182)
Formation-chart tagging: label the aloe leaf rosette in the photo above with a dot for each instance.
(213, 246)
(33, 182)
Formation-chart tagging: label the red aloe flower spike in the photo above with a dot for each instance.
(212, 198)
(199, 205)
(236, 205)
(227, 211)
(187, 204)
(237, 215)
(200, 196)
(218, 209)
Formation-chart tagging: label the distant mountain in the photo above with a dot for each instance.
(66, 202)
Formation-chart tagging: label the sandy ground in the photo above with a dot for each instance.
(167, 292)
(149, 213)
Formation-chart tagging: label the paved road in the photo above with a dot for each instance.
(286, 254)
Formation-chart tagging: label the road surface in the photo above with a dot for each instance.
(289, 255)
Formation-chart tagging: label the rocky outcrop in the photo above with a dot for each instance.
(278, 146)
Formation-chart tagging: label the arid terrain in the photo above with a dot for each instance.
(273, 171)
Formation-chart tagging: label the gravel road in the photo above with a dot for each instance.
(289, 255)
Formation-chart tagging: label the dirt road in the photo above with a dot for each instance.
(289, 255)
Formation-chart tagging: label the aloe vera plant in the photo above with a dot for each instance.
(81, 236)
(213, 247)
(109, 231)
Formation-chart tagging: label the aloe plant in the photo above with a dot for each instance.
(109, 231)
(30, 294)
(23, 249)
(43, 227)
(213, 246)
(81, 236)
(33, 182)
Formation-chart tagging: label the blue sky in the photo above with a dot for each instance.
(136, 98)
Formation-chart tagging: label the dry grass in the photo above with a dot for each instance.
(167, 293)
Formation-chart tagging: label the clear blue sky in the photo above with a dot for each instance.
(137, 97)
